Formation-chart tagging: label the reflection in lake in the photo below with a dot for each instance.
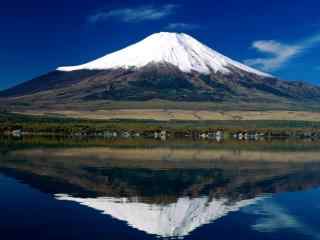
(175, 219)
(177, 192)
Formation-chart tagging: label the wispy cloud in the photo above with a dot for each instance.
(182, 26)
(279, 53)
(139, 14)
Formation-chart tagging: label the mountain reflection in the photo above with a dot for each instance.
(166, 220)
(168, 192)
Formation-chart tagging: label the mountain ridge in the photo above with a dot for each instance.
(175, 72)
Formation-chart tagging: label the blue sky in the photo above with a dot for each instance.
(280, 37)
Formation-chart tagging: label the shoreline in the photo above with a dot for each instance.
(16, 124)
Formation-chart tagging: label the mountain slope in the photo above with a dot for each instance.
(179, 50)
(165, 66)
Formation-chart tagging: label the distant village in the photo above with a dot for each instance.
(161, 134)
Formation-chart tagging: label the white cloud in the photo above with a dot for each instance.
(279, 53)
(182, 26)
(138, 14)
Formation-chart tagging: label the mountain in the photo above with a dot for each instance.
(165, 66)
(179, 50)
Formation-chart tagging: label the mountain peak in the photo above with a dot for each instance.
(168, 35)
(178, 49)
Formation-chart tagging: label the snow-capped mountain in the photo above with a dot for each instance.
(170, 220)
(164, 66)
(177, 49)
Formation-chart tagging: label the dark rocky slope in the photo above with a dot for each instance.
(157, 81)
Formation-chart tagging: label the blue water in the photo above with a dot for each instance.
(27, 213)
(283, 205)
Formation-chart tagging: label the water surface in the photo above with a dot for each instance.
(58, 189)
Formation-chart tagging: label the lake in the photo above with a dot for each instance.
(150, 189)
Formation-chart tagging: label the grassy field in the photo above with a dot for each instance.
(17, 104)
(65, 125)
(181, 115)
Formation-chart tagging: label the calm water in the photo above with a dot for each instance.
(54, 189)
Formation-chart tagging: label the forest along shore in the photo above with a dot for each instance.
(18, 125)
